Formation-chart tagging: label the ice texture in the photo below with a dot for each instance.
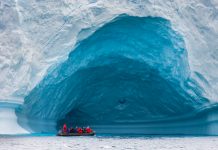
(9, 123)
(107, 143)
(47, 46)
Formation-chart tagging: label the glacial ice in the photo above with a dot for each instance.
(56, 58)
(9, 124)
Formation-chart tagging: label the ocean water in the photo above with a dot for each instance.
(46, 142)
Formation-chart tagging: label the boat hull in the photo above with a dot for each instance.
(76, 134)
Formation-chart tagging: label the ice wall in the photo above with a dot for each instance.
(131, 71)
(8, 119)
(40, 34)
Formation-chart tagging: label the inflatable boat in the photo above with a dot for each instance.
(76, 134)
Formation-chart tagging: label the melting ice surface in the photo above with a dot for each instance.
(130, 76)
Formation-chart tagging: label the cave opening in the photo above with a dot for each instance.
(131, 71)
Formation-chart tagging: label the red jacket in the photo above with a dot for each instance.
(65, 128)
(79, 130)
(88, 130)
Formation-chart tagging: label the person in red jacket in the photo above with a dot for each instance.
(79, 130)
(88, 130)
(64, 129)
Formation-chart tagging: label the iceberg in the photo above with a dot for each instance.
(138, 67)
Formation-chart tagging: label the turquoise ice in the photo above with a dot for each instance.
(130, 76)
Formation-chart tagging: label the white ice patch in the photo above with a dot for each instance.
(8, 122)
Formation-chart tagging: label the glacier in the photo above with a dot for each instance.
(129, 66)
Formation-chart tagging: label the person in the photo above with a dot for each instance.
(71, 130)
(79, 130)
(84, 130)
(88, 130)
(76, 129)
(64, 129)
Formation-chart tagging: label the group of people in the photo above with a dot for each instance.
(76, 130)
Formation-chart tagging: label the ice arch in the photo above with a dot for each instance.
(131, 71)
